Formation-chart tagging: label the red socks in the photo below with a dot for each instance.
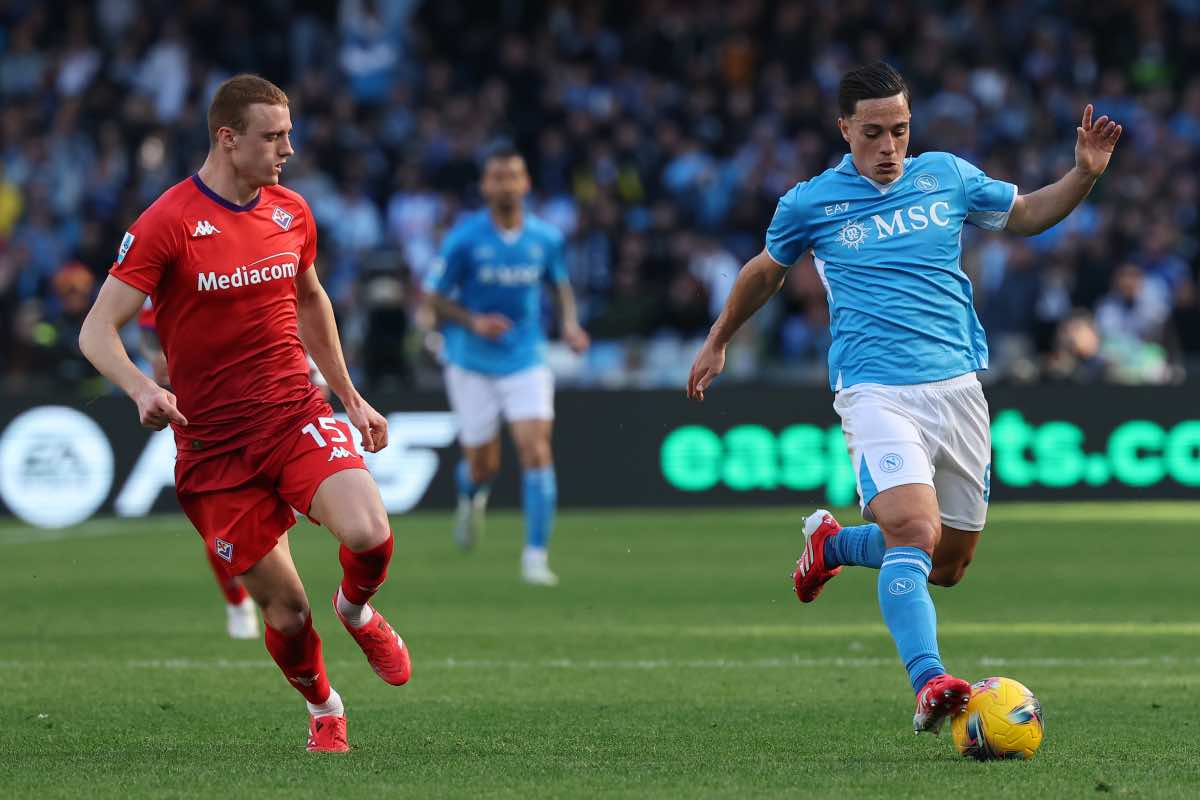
(231, 587)
(363, 573)
(300, 659)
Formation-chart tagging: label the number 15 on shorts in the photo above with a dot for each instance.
(336, 437)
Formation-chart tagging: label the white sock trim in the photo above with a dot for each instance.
(332, 707)
(355, 615)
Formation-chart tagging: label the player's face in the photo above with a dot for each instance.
(260, 153)
(877, 133)
(505, 183)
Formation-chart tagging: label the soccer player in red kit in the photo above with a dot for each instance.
(227, 258)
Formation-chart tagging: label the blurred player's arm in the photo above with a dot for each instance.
(318, 332)
(100, 342)
(489, 326)
(572, 332)
(759, 279)
(152, 351)
(1094, 144)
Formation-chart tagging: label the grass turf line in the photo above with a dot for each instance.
(672, 660)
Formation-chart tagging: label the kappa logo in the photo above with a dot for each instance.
(300, 680)
(205, 228)
(224, 550)
(281, 218)
(339, 452)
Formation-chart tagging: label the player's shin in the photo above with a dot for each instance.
(362, 575)
(860, 546)
(540, 501)
(466, 487)
(300, 659)
(908, 611)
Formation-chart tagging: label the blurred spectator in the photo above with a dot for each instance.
(659, 136)
(1076, 355)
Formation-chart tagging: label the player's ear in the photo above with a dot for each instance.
(844, 127)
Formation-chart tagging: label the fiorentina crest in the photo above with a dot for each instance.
(225, 550)
(281, 218)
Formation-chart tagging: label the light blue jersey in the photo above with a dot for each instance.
(890, 258)
(486, 271)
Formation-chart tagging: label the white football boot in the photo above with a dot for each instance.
(535, 568)
(468, 519)
(241, 620)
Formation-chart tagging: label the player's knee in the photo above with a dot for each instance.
(536, 454)
(915, 532)
(949, 574)
(288, 616)
(366, 531)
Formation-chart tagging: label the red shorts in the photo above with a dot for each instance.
(241, 502)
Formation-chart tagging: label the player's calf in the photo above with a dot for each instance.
(949, 574)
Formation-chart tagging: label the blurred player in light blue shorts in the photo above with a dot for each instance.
(486, 288)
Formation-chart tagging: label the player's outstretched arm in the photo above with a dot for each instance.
(759, 279)
(1094, 144)
(572, 332)
(318, 332)
(100, 342)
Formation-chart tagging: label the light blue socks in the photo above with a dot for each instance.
(860, 546)
(908, 611)
(540, 499)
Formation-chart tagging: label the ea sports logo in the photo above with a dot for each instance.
(56, 466)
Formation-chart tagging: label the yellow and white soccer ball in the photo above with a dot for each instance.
(1003, 720)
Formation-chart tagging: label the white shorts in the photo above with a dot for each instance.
(938, 434)
(478, 400)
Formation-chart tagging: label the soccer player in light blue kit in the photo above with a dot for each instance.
(487, 288)
(885, 232)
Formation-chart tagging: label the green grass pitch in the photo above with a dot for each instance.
(673, 661)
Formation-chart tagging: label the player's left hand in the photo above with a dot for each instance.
(576, 338)
(370, 423)
(1094, 142)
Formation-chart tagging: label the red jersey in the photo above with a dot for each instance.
(222, 279)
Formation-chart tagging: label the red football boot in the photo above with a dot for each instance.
(811, 574)
(327, 735)
(385, 650)
(941, 698)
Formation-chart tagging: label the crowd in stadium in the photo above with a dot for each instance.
(659, 141)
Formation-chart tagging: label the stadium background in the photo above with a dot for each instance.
(672, 661)
(659, 141)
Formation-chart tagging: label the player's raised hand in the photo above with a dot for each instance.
(370, 423)
(709, 363)
(490, 326)
(1095, 142)
(157, 408)
(576, 338)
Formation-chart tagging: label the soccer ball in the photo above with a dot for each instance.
(1003, 720)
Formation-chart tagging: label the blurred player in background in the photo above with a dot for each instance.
(886, 234)
(227, 258)
(487, 288)
(241, 615)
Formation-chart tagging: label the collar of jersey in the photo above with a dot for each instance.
(221, 201)
(847, 168)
